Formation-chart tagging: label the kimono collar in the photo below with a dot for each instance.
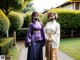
(53, 21)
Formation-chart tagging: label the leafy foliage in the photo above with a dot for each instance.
(29, 7)
(27, 20)
(68, 19)
(4, 23)
(9, 5)
(5, 44)
(16, 20)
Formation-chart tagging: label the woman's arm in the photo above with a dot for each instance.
(28, 36)
(56, 36)
(45, 31)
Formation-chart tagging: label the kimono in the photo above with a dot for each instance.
(36, 37)
(52, 32)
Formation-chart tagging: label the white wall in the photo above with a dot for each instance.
(69, 6)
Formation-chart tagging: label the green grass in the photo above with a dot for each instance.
(71, 46)
(14, 53)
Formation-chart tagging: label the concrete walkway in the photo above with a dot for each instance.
(63, 56)
(23, 54)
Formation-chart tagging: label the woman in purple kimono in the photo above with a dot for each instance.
(35, 38)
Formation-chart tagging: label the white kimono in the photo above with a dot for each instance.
(53, 28)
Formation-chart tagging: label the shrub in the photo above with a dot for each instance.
(21, 33)
(4, 23)
(27, 19)
(41, 18)
(68, 19)
(5, 44)
(16, 20)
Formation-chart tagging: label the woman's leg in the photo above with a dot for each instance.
(48, 50)
(57, 54)
(54, 54)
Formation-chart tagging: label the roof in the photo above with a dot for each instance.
(66, 3)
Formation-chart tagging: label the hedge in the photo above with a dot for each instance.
(14, 53)
(4, 23)
(27, 20)
(68, 19)
(21, 33)
(16, 20)
(5, 44)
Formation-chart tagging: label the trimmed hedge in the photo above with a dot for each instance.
(68, 19)
(5, 44)
(14, 53)
(4, 23)
(21, 33)
(27, 20)
(16, 20)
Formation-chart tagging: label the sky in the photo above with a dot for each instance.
(40, 5)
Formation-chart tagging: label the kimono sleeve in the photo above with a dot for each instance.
(28, 35)
(43, 35)
(56, 37)
(45, 30)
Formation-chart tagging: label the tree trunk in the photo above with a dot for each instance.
(14, 42)
(72, 33)
(13, 34)
(7, 35)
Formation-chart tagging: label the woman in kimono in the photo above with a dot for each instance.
(35, 38)
(52, 34)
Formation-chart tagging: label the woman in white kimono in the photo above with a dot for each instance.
(52, 34)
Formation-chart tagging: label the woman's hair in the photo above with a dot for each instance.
(34, 14)
(54, 14)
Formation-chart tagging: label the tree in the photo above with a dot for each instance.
(8, 5)
(29, 7)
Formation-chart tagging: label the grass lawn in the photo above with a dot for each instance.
(14, 53)
(71, 46)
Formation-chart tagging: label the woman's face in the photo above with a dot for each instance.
(35, 19)
(52, 17)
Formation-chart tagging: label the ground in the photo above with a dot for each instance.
(23, 54)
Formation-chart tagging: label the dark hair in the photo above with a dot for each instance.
(34, 14)
(51, 13)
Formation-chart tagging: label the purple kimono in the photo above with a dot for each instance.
(35, 36)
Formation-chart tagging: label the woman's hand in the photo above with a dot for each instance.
(29, 44)
(49, 39)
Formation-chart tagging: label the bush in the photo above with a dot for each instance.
(4, 23)
(14, 53)
(27, 20)
(5, 44)
(16, 20)
(41, 18)
(44, 19)
(21, 33)
(68, 19)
